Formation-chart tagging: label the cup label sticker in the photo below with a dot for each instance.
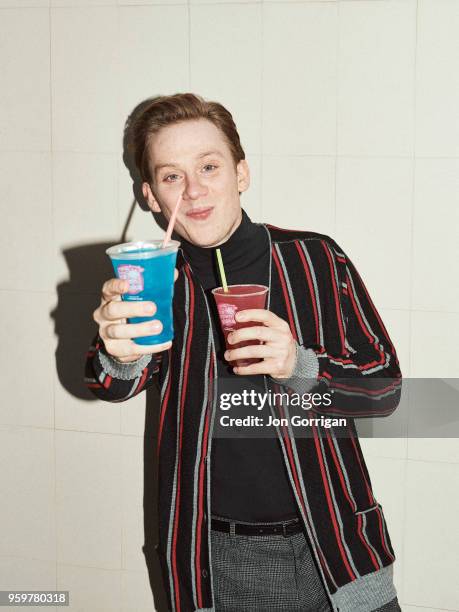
(134, 275)
(227, 313)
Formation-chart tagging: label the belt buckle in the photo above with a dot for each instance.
(291, 523)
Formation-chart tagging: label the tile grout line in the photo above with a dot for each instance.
(117, 160)
(49, 292)
(405, 503)
(54, 268)
(90, 567)
(410, 316)
(15, 426)
(118, 173)
(418, 607)
(262, 75)
(120, 227)
(413, 190)
(337, 47)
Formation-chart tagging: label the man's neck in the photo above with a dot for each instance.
(236, 224)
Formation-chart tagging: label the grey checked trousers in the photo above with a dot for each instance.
(269, 573)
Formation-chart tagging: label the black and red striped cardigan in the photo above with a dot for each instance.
(316, 288)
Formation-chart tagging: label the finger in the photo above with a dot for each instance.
(133, 330)
(175, 274)
(262, 367)
(256, 332)
(263, 316)
(127, 349)
(113, 311)
(262, 351)
(114, 288)
(139, 350)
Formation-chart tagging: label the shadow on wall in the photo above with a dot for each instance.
(88, 268)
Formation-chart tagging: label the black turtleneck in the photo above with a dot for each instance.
(248, 477)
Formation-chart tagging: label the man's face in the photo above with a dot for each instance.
(193, 158)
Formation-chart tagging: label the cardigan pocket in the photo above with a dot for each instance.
(371, 526)
(373, 507)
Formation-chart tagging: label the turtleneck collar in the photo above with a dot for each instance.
(243, 249)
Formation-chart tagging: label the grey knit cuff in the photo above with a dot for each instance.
(122, 371)
(304, 375)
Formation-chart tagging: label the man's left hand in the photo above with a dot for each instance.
(278, 351)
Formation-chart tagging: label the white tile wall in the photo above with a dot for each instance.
(434, 337)
(79, 414)
(132, 502)
(17, 4)
(406, 608)
(136, 593)
(373, 224)
(138, 3)
(395, 448)
(21, 573)
(24, 78)
(82, 3)
(90, 588)
(27, 360)
(431, 536)
(376, 77)
(226, 63)
(299, 192)
(153, 54)
(85, 202)
(437, 79)
(347, 113)
(434, 449)
(85, 197)
(88, 499)
(299, 78)
(435, 243)
(27, 222)
(85, 81)
(28, 502)
(133, 415)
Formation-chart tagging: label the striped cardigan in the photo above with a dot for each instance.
(315, 288)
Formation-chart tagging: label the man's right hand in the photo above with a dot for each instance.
(112, 315)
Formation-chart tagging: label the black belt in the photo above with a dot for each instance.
(285, 529)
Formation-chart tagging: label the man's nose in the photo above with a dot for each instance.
(194, 189)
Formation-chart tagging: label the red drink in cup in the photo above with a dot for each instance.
(239, 297)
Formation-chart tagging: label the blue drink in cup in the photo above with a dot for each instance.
(149, 268)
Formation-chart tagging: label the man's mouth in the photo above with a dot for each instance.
(199, 214)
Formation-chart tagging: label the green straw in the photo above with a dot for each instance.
(222, 270)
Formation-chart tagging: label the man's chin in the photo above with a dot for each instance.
(205, 242)
(205, 245)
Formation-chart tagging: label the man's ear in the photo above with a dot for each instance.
(150, 198)
(243, 175)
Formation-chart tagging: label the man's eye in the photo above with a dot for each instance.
(210, 166)
(169, 176)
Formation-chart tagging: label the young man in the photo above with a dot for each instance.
(282, 523)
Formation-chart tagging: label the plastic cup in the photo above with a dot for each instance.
(239, 297)
(149, 268)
